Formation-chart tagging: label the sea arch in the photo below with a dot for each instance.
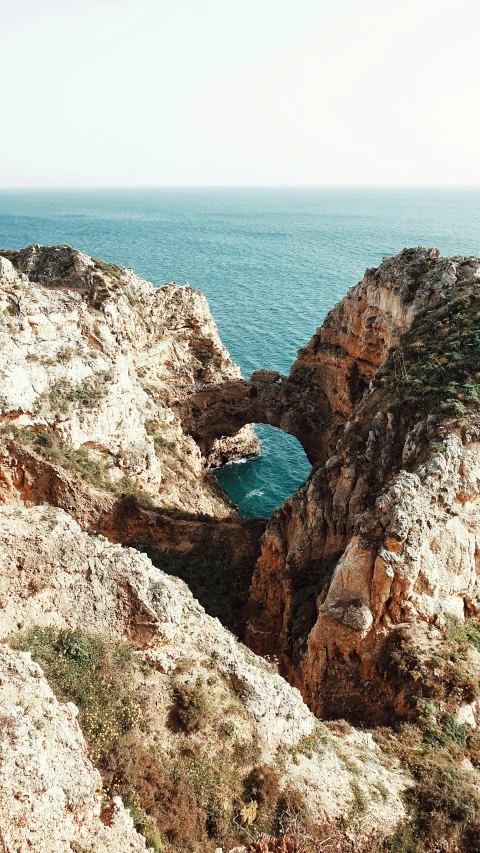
(294, 404)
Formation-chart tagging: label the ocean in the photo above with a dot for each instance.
(271, 262)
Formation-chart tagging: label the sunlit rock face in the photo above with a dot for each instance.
(384, 531)
(50, 795)
(97, 356)
(57, 576)
(115, 398)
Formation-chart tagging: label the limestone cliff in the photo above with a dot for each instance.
(384, 532)
(198, 741)
(94, 357)
(115, 398)
(93, 363)
(50, 795)
(54, 578)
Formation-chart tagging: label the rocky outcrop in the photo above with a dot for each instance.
(99, 370)
(330, 375)
(50, 795)
(59, 577)
(95, 356)
(115, 399)
(384, 531)
(93, 361)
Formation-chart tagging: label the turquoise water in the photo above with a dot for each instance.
(271, 262)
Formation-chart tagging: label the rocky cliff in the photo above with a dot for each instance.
(185, 698)
(384, 531)
(93, 362)
(197, 740)
(115, 399)
(94, 356)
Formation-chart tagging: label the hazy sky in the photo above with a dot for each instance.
(212, 92)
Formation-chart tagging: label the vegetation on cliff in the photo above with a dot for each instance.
(181, 799)
(220, 584)
(360, 573)
(437, 365)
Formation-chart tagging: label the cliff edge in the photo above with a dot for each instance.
(115, 398)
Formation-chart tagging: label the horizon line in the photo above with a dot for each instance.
(235, 187)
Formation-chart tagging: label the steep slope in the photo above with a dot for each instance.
(50, 795)
(115, 398)
(93, 361)
(94, 355)
(330, 375)
(384, 532)
(65, 586)
(199, 737)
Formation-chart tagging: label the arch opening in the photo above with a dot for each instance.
(259, 484)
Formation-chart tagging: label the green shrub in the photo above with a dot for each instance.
(227, 728)
(404, 840)
(94, 674)
(112, 270)
(98, 676)
(442, 790)
(456, 731)
(12, 309)
(155, 429)
(65, 354)
(462, 633)
(437, 365)
(62, 394)
(142, 822)
(192, 707)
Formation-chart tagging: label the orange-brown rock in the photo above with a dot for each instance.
(330, 375)
(380, 534)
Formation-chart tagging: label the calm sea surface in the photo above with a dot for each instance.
(271, 262)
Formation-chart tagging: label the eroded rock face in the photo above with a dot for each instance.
(109, 382)
(331, 374)
(97, 356)
(59, 576)
(380, 534)
(50, 795)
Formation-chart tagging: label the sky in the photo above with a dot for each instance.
(226, 93)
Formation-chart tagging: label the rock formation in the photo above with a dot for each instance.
(95, 355)
(383, 532)
(49, 791)
(116, 398)
(54, 576)
(92, 361)
(96, 366)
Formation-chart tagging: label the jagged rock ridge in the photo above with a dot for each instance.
(384, 531)
(94, 354)
(360, 569)
(96, 366)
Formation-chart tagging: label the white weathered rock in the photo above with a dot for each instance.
(49, 790)
(98, 355)
(52, 573)
(466, 716)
